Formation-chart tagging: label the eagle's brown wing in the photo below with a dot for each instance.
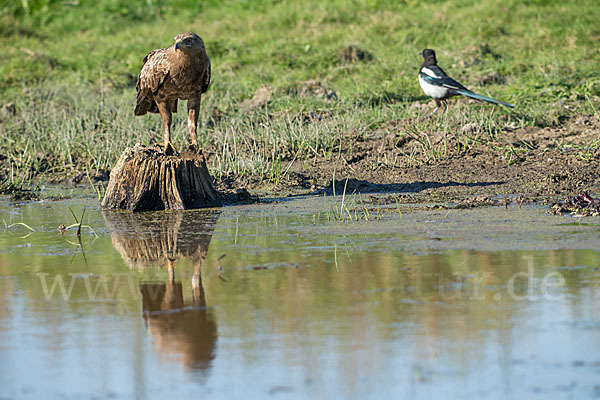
(153, 74)
(206, 78)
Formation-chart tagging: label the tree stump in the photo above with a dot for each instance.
(145, 179)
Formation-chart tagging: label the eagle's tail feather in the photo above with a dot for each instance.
(141, 109)
(479, 97)
(144, 106)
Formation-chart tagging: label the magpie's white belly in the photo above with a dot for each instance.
(437, 92)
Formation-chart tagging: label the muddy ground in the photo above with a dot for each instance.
(533, 164)
(546, 165)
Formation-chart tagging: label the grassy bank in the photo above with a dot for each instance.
(70, 69)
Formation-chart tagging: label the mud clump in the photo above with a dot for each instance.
(261, 98)
(582, 205)
(17, 193)
(216, 116)
(354, 54)
(475, 201)
(93, 176)
(7, 111)
(478, 54)
(312, 88)
(494, 78)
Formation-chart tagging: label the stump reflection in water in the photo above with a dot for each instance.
(185, 332)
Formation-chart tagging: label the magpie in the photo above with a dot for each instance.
(439, 86)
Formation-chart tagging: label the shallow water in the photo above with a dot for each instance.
(272, 300)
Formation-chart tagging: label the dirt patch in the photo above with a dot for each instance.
(494, 78)
(7, 111)
(18, 193)
(216, 116)
(354, 54)
(522, 165)
(582, 205)
(478, 54)
(93, 176)
(261, 98)
(312, 88)
(530, 164)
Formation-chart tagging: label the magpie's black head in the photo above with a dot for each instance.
(429, 57)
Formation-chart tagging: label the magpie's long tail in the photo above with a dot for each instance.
(482, 98)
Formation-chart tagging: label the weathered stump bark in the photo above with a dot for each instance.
(145, 179)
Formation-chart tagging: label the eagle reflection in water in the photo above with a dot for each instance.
(181, 329)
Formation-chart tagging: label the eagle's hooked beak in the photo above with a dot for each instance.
(421, 53)
(177, 44)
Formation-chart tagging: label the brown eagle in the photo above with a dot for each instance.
(179, 72)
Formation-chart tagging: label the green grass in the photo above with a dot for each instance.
(70, 68)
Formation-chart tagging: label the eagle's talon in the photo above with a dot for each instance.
(167, 148)
(170, 149)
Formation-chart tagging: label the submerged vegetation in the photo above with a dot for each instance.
(295, 83)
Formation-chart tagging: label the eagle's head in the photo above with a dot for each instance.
(188, 41)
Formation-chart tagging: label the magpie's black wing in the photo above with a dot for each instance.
(436, 76)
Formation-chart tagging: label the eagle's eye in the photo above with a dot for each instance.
(188, 40)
